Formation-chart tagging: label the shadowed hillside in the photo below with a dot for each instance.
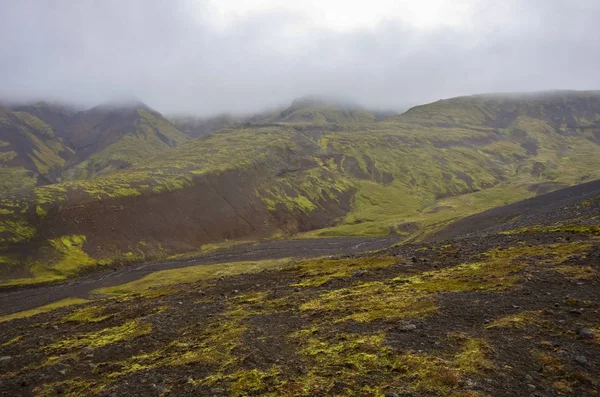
(30, 151)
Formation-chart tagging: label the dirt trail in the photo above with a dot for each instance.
(28, 298)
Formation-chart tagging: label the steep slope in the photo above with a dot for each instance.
(56, 115)
(107, 138)
(30, 151)
(573, 209)
(410, 175)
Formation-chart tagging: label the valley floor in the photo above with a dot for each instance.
(19, 299)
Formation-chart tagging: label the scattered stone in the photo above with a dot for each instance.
(529, 378)
(580, 283)
(586, 333)
(408, 328)
(516, 306)
(414, 259)
(5, 358)
(180, 303)
(576, 311)
(486, 321)
(582, 360)
(530, 386)
(62, 372)
(359, 273)
(391, 394)
(235, 291)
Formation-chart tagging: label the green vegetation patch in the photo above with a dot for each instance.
(72, 256)
(348, 364)
(582, 229)
(15, 231)
(129, 330)
(520, 320)
(577, 272)
(317, 272)
(43, 309)
(90, 314)
(371, 301)
(191, 274)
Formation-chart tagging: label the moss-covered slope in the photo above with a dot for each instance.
(410, 175)
(30, 151)
(108, 138)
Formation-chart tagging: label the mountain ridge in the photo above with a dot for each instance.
(409, 175)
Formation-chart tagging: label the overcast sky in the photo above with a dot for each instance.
(206, 57)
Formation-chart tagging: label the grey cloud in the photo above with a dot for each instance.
(92, 51)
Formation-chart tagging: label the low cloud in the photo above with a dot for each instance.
(178, 56)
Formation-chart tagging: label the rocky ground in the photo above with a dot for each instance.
(511, 313)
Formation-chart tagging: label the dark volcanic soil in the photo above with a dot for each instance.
(238, 335)
(27, 298)
(490, 314)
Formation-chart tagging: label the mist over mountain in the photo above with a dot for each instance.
(207, 58)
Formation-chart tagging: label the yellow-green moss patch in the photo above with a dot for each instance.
(43, 309)
(316, 272)
(129, 330)
(191, 274)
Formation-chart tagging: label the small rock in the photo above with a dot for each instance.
(580, 283)
(62, 372)
(55, 327)
(530, 386)
(235, 291)
(5, 358)
(576, 311)
(557, 305)
(486, 321)
(529, 378)
(516, 306)
(582, 360)
(408, 328)
(414, 259)
(359, 273)
(180, 303)
(586, 333)
(391, 394)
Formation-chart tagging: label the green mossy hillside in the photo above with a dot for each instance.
(409, 175)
